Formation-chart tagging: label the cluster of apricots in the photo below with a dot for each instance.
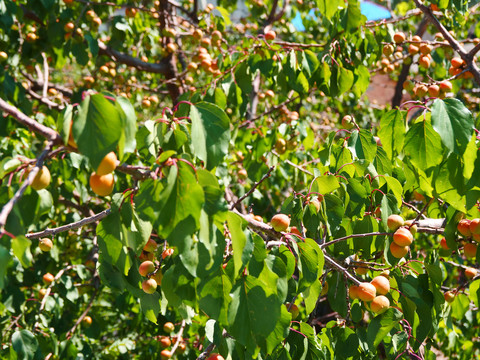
(167, 341)
(393, 53)
(403, 235)
(102, 181)
(373, 293)
(149, 267)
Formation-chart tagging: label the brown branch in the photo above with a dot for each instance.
(72, 226)
(207, 352)
(139, 173)
(38, 85)
(259, 226)
(157, 68)
(340, 268)
(28, 181)
(267, 175)
(323, 246)
(33, 125)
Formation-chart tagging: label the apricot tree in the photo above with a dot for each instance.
(146, 146)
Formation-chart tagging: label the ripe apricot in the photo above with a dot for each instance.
(424, 62)
(102, 185)
(443, 244)
(403, 237)
(475, 226)
(215, 357)
(361, 270)
(167, 253)
(434, 90)
(165, 354)
(165, 341)
(398, 251)
(270, 35)
(45, 244)
(380, 304)
(146, 268)
(470, 272)
(399, 37)
(168, 327)
(413, 49)
(280, 222)
(453, 71)
(108, 164)
(388, 49)
(158, 276)
(353, 292)
(449, 296)
(394, 222)
(48, 278)
(470, 250)
(130, 12)
(150, 246)
(42, 179)
(366, 291)
(420, 90)
(293, 310)
(149, 286)
(425, 49)
(457, 62)
(382, 284)
(281, 146)
(463, 227)
(87, 321)
(476, 237)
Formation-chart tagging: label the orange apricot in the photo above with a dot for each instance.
(366, 291)
(382, 284)
(403, 237)
(380, 304)
(398, 251)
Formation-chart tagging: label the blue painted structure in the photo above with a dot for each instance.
(371, 10)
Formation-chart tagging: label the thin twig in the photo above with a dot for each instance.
(71, 226)
(28, 181)
(178, 337)
(33, 125)
(340, 268)
(323, 246)
(80, 319)
(207, 352)
(267, 175)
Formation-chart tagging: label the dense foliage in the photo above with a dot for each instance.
(147, 148)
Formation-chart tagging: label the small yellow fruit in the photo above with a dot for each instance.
(382, 284)
(470, 272)
(45, 244)
(42, 179)
(168, 327)
(394, 222)
(366, 291)
(403, 237)
(108, 164)
(280, 222)
(398, 251)
(449, 296)
(149, 286)
(380, 304)
(102, 185)
(146, 268)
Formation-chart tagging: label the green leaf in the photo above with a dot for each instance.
(392, 132)
(362, 145)
(128, 142)
(344, 80)
(97, 128)
(214, 294)
(329, 8)
(241, 243)
(5, 258)
(210, 133)
(353, 17)
(423, 146)
(454, 123)
(381, 325)
(310, 264)
(450, 183)
(166, 203)
(325, 184)
(21, 249)
(25, 344)
(474, 292)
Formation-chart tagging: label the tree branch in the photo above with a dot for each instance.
(158, 68)
(33, 125)
(467, 56)
(267, 175)
(28, 181)
(72, 226)
(82, 316)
